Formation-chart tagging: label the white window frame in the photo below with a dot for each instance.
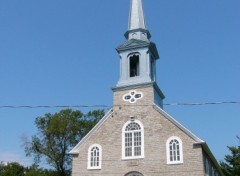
(89, 157)
(180, 150)
(132, 96)
(124, 157)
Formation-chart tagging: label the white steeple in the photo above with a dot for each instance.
(138, 56)
(136, 16)
(136, 24)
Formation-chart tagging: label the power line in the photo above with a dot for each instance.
(202, 104)
(107, 106)
(55, 106)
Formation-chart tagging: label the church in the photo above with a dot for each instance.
(137, 137)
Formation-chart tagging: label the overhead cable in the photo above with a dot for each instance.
(107, 106)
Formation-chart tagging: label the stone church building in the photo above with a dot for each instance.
(137, 137)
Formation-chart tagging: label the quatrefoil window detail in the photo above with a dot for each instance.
(132, 96)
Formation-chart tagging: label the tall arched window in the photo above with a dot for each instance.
(134, 66)
(174, 150)
(95, 157)
(132, 140)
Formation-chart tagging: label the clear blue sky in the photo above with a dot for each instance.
(63, 53)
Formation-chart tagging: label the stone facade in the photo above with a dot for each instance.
(157, 130)
(138, 100)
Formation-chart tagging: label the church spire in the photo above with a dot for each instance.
(138, 56)
(136, 24)
(136, 16)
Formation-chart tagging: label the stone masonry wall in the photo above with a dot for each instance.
(157, 130)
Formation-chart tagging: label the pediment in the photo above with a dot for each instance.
(108, 115)
(133, 43)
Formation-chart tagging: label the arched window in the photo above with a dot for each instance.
(134, 65)
(134, 174)
(94, 157)
(132, 140)
(174, 150)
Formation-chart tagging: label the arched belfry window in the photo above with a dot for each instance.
(133, 140)
(95, 156)
(174, 150)
(134, 65)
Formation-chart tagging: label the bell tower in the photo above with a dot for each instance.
(138, 56)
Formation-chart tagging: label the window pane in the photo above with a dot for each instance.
(133, 126)
(133, 140)
(137, 144)
(94, 157)
(128, 144)
(174, 150)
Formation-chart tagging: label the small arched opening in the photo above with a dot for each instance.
(134, 174)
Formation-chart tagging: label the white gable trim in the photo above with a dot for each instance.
(180, 126)
(75, 150)
(190, 134)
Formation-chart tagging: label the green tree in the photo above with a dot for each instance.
(15, 169)
(34, 170)
(11, 169)
(231, 165)
(57, 134)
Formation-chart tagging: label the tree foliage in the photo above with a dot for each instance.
(12, 169)
(34, 170)
(57, 134)
(15, 169)
(231, 165)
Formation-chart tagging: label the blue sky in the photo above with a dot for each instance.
(63, 53)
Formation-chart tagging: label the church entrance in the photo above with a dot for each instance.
(134, 174)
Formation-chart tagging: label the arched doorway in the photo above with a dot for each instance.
(134, 174)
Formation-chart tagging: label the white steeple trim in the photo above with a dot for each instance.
(136, 16)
